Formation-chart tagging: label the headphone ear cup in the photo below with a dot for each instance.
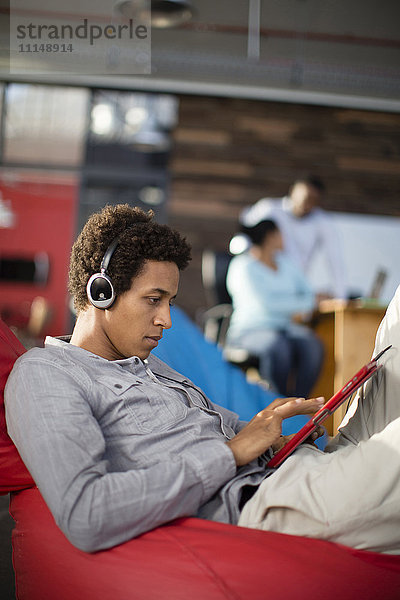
(100, 291)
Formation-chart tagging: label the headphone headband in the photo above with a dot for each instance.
(107, 256)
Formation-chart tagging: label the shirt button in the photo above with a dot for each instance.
(118, 385)
(136, 361)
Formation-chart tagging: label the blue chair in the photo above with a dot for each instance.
(185, 349)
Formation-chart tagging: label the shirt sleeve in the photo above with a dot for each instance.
(257, 212)
(63, 446)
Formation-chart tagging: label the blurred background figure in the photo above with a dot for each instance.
(306, 228)
(267, 291)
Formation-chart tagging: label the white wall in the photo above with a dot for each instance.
(369, 243)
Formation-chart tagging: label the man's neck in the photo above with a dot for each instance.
(85, 333)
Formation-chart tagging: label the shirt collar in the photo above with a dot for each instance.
(63, 342)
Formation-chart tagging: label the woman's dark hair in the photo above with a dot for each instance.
(140, 239)
(259, 232)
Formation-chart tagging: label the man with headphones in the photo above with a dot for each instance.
(119, 443)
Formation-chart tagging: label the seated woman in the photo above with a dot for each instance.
(267, 291)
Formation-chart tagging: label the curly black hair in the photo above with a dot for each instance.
(140, 239)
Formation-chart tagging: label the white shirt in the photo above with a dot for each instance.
(303, 236)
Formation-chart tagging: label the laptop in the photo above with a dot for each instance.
(365, 373)
(377, 284)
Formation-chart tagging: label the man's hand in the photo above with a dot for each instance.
(265, 429)
(284, 439)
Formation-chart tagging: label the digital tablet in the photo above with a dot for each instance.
(329, 407)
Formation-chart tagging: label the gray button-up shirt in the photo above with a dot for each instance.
(119, 447)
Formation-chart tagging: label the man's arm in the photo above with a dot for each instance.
(260, 210)
(63, 446)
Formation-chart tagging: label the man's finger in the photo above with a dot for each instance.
(281, 401)
(299, 406)
(319, 432)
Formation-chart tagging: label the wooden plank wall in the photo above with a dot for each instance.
(228, 153)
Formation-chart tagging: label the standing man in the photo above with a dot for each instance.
(306, 229)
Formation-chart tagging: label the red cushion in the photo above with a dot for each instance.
(192, 559)
(187, 559)
(13, 473)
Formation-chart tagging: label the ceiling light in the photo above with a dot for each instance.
(102, 119)
(163, 13)
(136, 116)
(170, 13)
(151, 195)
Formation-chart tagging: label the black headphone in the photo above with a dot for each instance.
(99, 288)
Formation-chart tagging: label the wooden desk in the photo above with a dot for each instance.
(347, 330)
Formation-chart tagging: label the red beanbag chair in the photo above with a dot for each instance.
(13, 473)
(188, 559)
